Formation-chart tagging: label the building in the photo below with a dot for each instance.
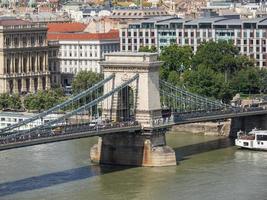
(79, 50)
(23, 57)
(249, 35)
(130, 14)
(11, 118)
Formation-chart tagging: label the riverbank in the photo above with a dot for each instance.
(205, 128)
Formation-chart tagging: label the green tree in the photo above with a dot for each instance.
(247, 81)
(14, 102)
(84, 80)
(207, 82)
(221, 56)
(4, 101)
(177, 59)
(10, 101)
(42, 100)
(263, 80)
(153, 49)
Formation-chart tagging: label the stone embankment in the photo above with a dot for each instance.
(205, 128)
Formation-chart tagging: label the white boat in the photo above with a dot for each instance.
(255, 139)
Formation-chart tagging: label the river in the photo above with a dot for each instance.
(209, 168)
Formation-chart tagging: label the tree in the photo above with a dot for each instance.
(84, 80)
(14, 102)
(247, 81)
(177, 59)
(263, 80)
(42, 100)
(8, 101)
(207, 82)
(221, 56)
(153, 49)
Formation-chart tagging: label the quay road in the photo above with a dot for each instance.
(68, 133)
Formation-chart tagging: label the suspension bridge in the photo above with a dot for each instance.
(130, 109)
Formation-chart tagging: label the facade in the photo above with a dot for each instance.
(23, 57)
(249, 35)
(80, 50)
(11, 118)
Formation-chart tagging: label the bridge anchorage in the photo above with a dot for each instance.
(130, 110)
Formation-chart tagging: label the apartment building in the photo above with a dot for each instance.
(23, 56)
(249, 35)
(80, 50)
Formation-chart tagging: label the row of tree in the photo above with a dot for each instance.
(43, 100)
(216, 70)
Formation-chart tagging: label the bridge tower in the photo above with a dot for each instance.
(139, 101)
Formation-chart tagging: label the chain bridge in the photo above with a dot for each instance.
(130, 110)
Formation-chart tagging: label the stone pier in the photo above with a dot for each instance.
(247, 124)
(133, 149)
(142, 148)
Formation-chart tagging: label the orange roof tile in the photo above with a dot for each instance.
(65, 27)
(84, 36)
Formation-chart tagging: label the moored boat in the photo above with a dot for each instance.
(255, 139)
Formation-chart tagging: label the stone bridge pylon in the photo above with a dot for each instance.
(139, 101)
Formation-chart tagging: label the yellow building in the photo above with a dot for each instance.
(23, 57)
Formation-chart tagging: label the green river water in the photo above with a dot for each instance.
(209, 168)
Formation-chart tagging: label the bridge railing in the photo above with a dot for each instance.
(62, 119)
(178, 100)
(180, 117)
(73, 129)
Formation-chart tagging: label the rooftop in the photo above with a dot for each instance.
(112, 35)
(13, 22)
(66, 27)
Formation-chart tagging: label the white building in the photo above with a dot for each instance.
(80, 50)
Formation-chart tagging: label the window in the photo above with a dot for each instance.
(24, 41)
(16, 41)
(41, 40)
(262, 137)
(7, 41)
(32, 40)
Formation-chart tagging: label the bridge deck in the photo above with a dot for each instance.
(57, 138)
(188, 120)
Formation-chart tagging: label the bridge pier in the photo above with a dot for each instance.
(247, 124)
(135, 149)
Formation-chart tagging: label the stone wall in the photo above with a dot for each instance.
(205, 128)
(228, 128)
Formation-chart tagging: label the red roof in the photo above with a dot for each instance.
(13, 22)
(113, 34)
(66, 27)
